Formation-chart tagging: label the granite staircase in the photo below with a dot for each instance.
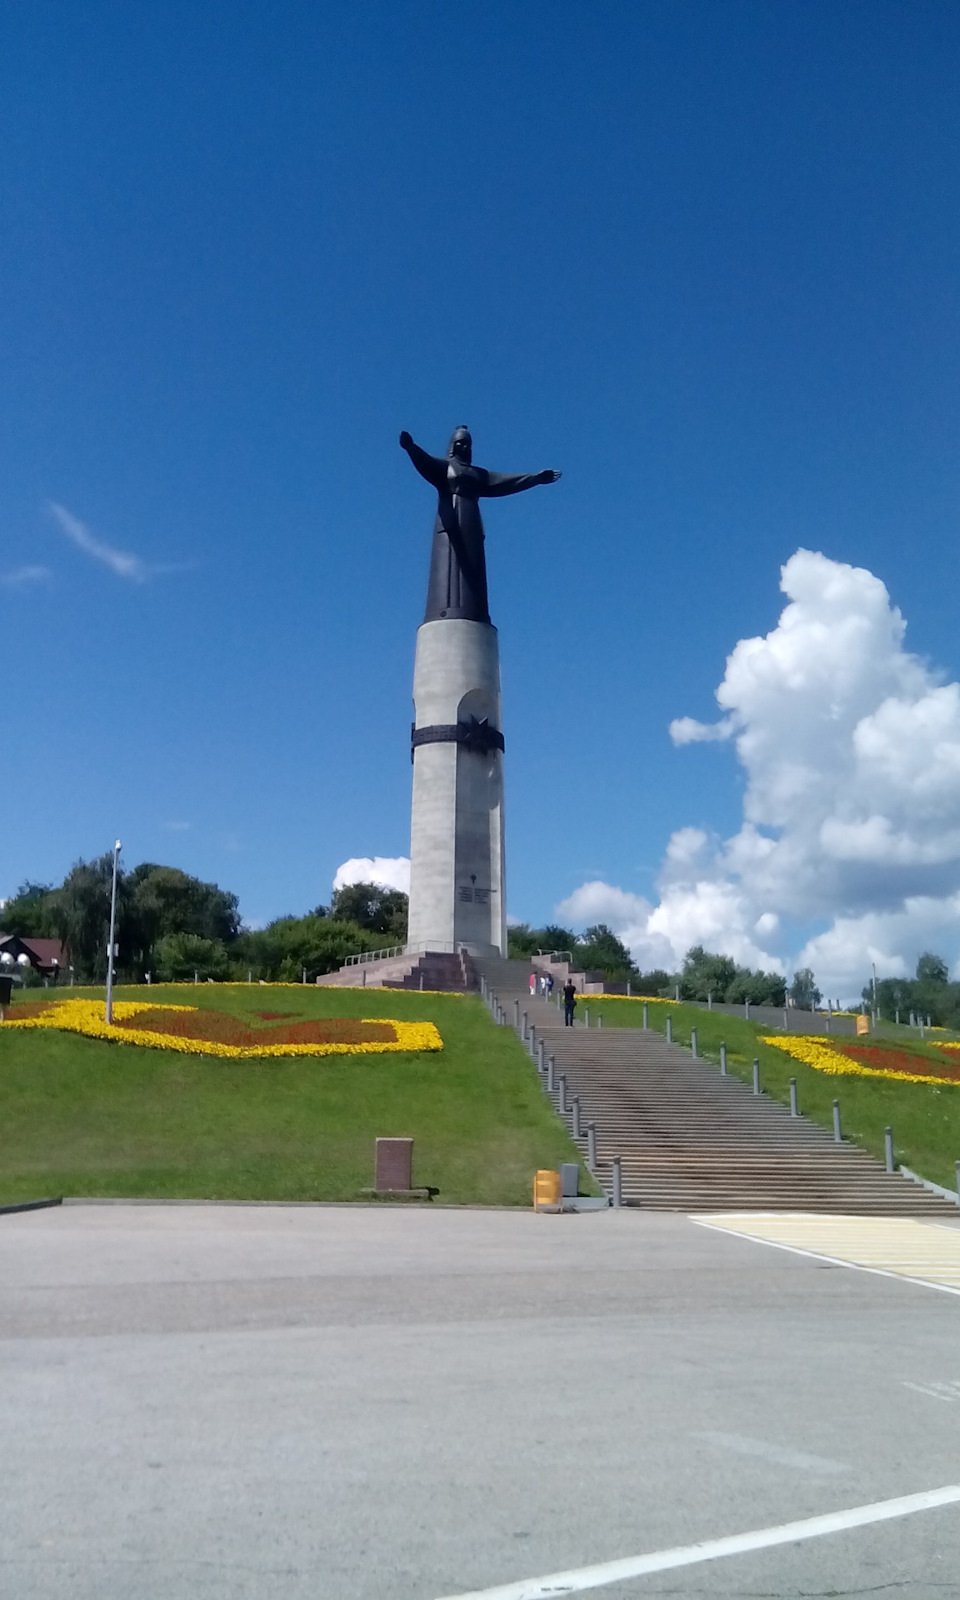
(690, 1139)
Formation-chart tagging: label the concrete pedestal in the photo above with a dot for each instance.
(456, 834)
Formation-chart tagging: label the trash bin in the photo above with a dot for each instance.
(546, 1190)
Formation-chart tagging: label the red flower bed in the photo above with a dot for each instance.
(220, 1028)
(894, 1061)
(274, 1016)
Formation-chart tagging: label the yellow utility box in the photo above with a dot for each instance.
(863, 1025)
(546, 1191)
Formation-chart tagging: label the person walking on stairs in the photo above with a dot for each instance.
(569, 1002)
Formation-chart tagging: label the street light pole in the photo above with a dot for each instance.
(113, 928)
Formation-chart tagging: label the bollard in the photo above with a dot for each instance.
(541, 1063)
(586, 1016)
(483, 986)
(562, 1089)
(958, 1182)
(551, 1064)
(693, 1044)
(592, 1145)
(746, 1010)
(709, 999)
(669, 1029)
(794, 1110)
(888, 1150)
(575, 1112)
(837, 1129)
(646, 1015)
(617, 1181)
(723, 1060)
(516, 1013)
(756, 1076)
(600, 1020)
(628, 988)
(533, 1038)
(786, 1025)
(524, 1029)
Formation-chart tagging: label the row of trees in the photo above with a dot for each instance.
(703, 975)
(174, 926)
(929, 994)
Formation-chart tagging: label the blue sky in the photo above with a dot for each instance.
(702, 257)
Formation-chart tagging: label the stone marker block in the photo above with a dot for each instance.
(394, 1164)
(569, 1178)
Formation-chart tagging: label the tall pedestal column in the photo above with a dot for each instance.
(457, 896)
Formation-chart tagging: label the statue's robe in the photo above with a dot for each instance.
(458, 569)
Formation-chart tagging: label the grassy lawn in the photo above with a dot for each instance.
(83, 1117)
(925, 1118)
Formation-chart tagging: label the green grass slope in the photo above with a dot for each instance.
(925, 1118)
(84, 1117)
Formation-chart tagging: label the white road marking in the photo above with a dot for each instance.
(890, 1247)
(780, 1455)
(580, 1578)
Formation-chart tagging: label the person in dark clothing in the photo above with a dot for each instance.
(569, 1002)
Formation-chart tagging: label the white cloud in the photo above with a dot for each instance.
(850, 746)
(390, 872)
(18, 576)
(119, 561)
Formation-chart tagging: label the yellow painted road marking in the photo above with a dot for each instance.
(897, 1247)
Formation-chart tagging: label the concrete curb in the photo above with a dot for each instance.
(30, 1205)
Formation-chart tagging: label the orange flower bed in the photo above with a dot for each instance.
(218, 1027)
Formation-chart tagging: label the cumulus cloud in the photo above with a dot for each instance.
(390, 872)
(850, 748)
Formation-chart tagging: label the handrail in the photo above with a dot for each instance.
(363, 956)
(557, 955)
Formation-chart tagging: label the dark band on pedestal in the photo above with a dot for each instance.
(476, 735)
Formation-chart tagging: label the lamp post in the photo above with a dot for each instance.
(113, 928)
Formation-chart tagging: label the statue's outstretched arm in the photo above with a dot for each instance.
(429, 467)
(497, 483)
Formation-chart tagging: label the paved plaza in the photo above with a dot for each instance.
(229, 1402)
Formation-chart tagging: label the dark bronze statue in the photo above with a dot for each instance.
(458, 570)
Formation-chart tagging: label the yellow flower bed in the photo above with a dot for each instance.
(89, 1018)
(823, 1058)
(648, 999)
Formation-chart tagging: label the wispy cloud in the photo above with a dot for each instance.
(177, 827)
(21, 575)
(120, 562)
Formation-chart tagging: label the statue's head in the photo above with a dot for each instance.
(460, 447)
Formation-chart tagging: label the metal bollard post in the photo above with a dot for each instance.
(888, 1150)
(551, 1065)
(756, 1077)
(957, 1164)
(483, 986)
(575, 1110)
(533, 1038)
(540, 1055)
(617, 1181)
(600, 1020)
(562, 1088)
(693, 1044)
(794, 1109)
(669, 1029)
(592, 1145)
(586, 1016)
(516, 1013)
(837, 1129)
(746, 1010)
(524, 1029)
(723, 1060)
(646, 1015)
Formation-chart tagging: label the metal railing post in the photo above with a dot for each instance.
(837, 1127)
(794, 1108)
(888, 1150)
(586, 1016)
(723, 1060)
(756, 1076)
(617, 1166)
(646, 1015)
(532, 1041)
(592, 1146)
(524, 1031)
(551, 1066)
(669, 1029)
(541, 1060)
(600, 1020)
(516, 1013)
(693, 1044)
(562, 1090)
(575, 1110)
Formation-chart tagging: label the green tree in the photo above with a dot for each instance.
(705, 974)
(281, 951)
(381, 910)
(180, 956)
(160, 901)
(932, 969)
(803, 990)
(80, 915)
(27, 912)
(599, 950)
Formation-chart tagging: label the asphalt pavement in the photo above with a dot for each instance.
(229, 1402)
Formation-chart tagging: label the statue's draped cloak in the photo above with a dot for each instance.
(458, 569)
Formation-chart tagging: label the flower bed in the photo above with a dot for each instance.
(867, 1061)
(198, 1031)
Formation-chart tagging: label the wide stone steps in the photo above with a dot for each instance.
(690, 1139)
